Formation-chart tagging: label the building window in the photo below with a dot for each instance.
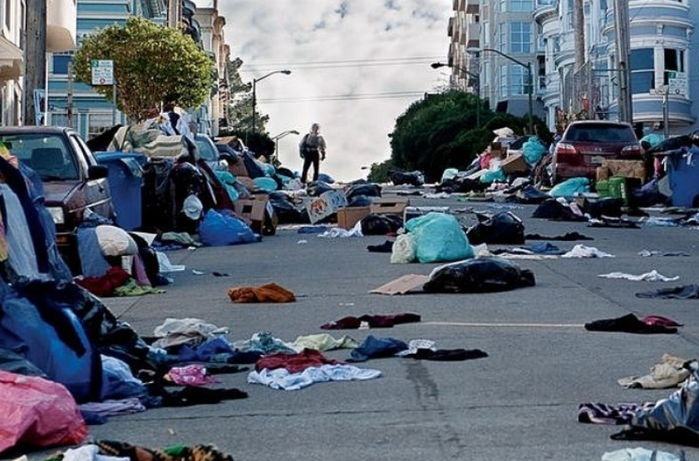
(674, 63)
(503, 82)
(518, 77)
(520, 37)
(521, 5)
(642, 70)
(61, 63)
(98, 124)
(503, 37)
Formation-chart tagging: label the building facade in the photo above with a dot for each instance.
(662, 33)
(12, 17)
(508, 27)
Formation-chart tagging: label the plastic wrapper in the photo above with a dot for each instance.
(381, 224)
(503, 228)
(439, 238)
(368, 189)
(571, 188)
(480, 275)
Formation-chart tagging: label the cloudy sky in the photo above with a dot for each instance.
(357, 65)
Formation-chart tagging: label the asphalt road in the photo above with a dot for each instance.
(519, 403)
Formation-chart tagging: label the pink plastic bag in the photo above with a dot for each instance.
(191, 375)
(37, 412)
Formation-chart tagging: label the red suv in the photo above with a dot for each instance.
(586, 144)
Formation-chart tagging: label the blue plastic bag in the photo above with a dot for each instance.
(326, 178)
(268, 169)
(265, 184)
(220, 230)
(571, 188)
(493, 176)
(439, 238)
(228, 180)
(533, 150)
(449, 173)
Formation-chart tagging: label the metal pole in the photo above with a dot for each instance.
(46, 89)
(666, 112)
(69, 109)
(114, 103)
(478, 103)
(623, 48)
(254, 103)
(531, 98)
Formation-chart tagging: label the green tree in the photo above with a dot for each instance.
(379, 172)
(240, 109)
(152, 65)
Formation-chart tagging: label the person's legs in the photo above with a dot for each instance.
(316, 166)
(306, 165)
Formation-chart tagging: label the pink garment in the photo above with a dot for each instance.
(485, 161)
(658, 320)
(37, 412)
(191, 375)
(139, 272)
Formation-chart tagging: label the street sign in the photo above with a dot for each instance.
(102, 71)
(679, 84)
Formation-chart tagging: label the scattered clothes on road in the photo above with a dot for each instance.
(190, 375)
(543, 248)
(108, 408)
(265, 343)
(670, 372)
(613, 223)
(554, 210)
(651, 253)
(681, 292)
(652, 276)
(131, 288)
(189, 396)
(175, 332)
(180, 238)
(165, 266)
(204, 352)
(323, 342)
(601, 413)
(503, 228)
(87, 453)
(674, 419)
(312, 229)
(269, 293)
(105, 285)
(640, 454)
(295, 363)
(447, 355)
(480, 275)
(628, 324)
(404, 249)
(385, 247)
(372, 321)
(281, 379)
(381, 224)
(373, 348)
(177, 452)
(38, 412)
(336, 232)
(659, 320)
(582, 251)
(569, 237)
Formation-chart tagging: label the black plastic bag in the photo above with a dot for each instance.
(479, 276)
(413, 178)
(370, 190)
(462, 185)
(318, 188)
(359, 200)
(286, 211)
(604, 207)
(381, 224)
(553, 210)
(503, 228)
(531, 195)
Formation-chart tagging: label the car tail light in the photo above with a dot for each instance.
(631, 150)
(565, 149)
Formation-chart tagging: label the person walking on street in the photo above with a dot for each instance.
(312, 150)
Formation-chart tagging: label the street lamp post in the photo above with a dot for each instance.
(437, 65)
(280, 136)
(530, 82)
(254, 95)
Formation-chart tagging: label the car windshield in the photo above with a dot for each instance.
(207, 150)
(47, 154)
(603, 132)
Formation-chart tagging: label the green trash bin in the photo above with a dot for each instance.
(602, 188)
(618, 189)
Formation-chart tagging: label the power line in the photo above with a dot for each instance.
(342, 61)
(339, 66)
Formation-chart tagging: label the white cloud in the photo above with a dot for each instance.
(276, 34)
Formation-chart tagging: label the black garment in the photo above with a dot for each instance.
(614, 223)
(628, 324)
(174, 118)
(553, 210)
(310, 158)
(197, 396)
(385, 247)
(448, 355)
(681, 292)
(569, 237)
(381, 224)
(601, 413)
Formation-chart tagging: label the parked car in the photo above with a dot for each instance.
(586, 144)
(73, 180)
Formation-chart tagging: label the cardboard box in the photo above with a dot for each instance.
(252, 211)
(514, 164)
(626, 168)
(247, 182)
(497, 150)
(348, 217)
(238, 169)
(326, 205)
(602, 174)
(392, 205)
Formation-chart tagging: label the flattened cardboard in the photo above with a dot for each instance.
(403, 285)
(514, 164)
(252, 211)
(325, 205)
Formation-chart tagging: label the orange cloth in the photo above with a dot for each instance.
(269, 293)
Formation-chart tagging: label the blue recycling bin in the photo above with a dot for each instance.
(125, 185)
(683, 171)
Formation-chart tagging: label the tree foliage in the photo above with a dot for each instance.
(380, 172)
(240, 109)
(441, 132)
(152, 64)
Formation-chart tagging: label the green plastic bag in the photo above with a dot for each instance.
(439, 238)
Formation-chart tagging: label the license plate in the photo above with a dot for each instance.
(597, 160)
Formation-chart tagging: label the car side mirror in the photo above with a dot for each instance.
(97, 172)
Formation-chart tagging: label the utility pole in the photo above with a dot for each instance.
(69, 109)
(35, 56)
(579, 26)
(623, 52)
(666, 112)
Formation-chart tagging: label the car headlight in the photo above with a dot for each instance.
(57, 215)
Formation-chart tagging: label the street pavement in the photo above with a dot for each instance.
(519, 403)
